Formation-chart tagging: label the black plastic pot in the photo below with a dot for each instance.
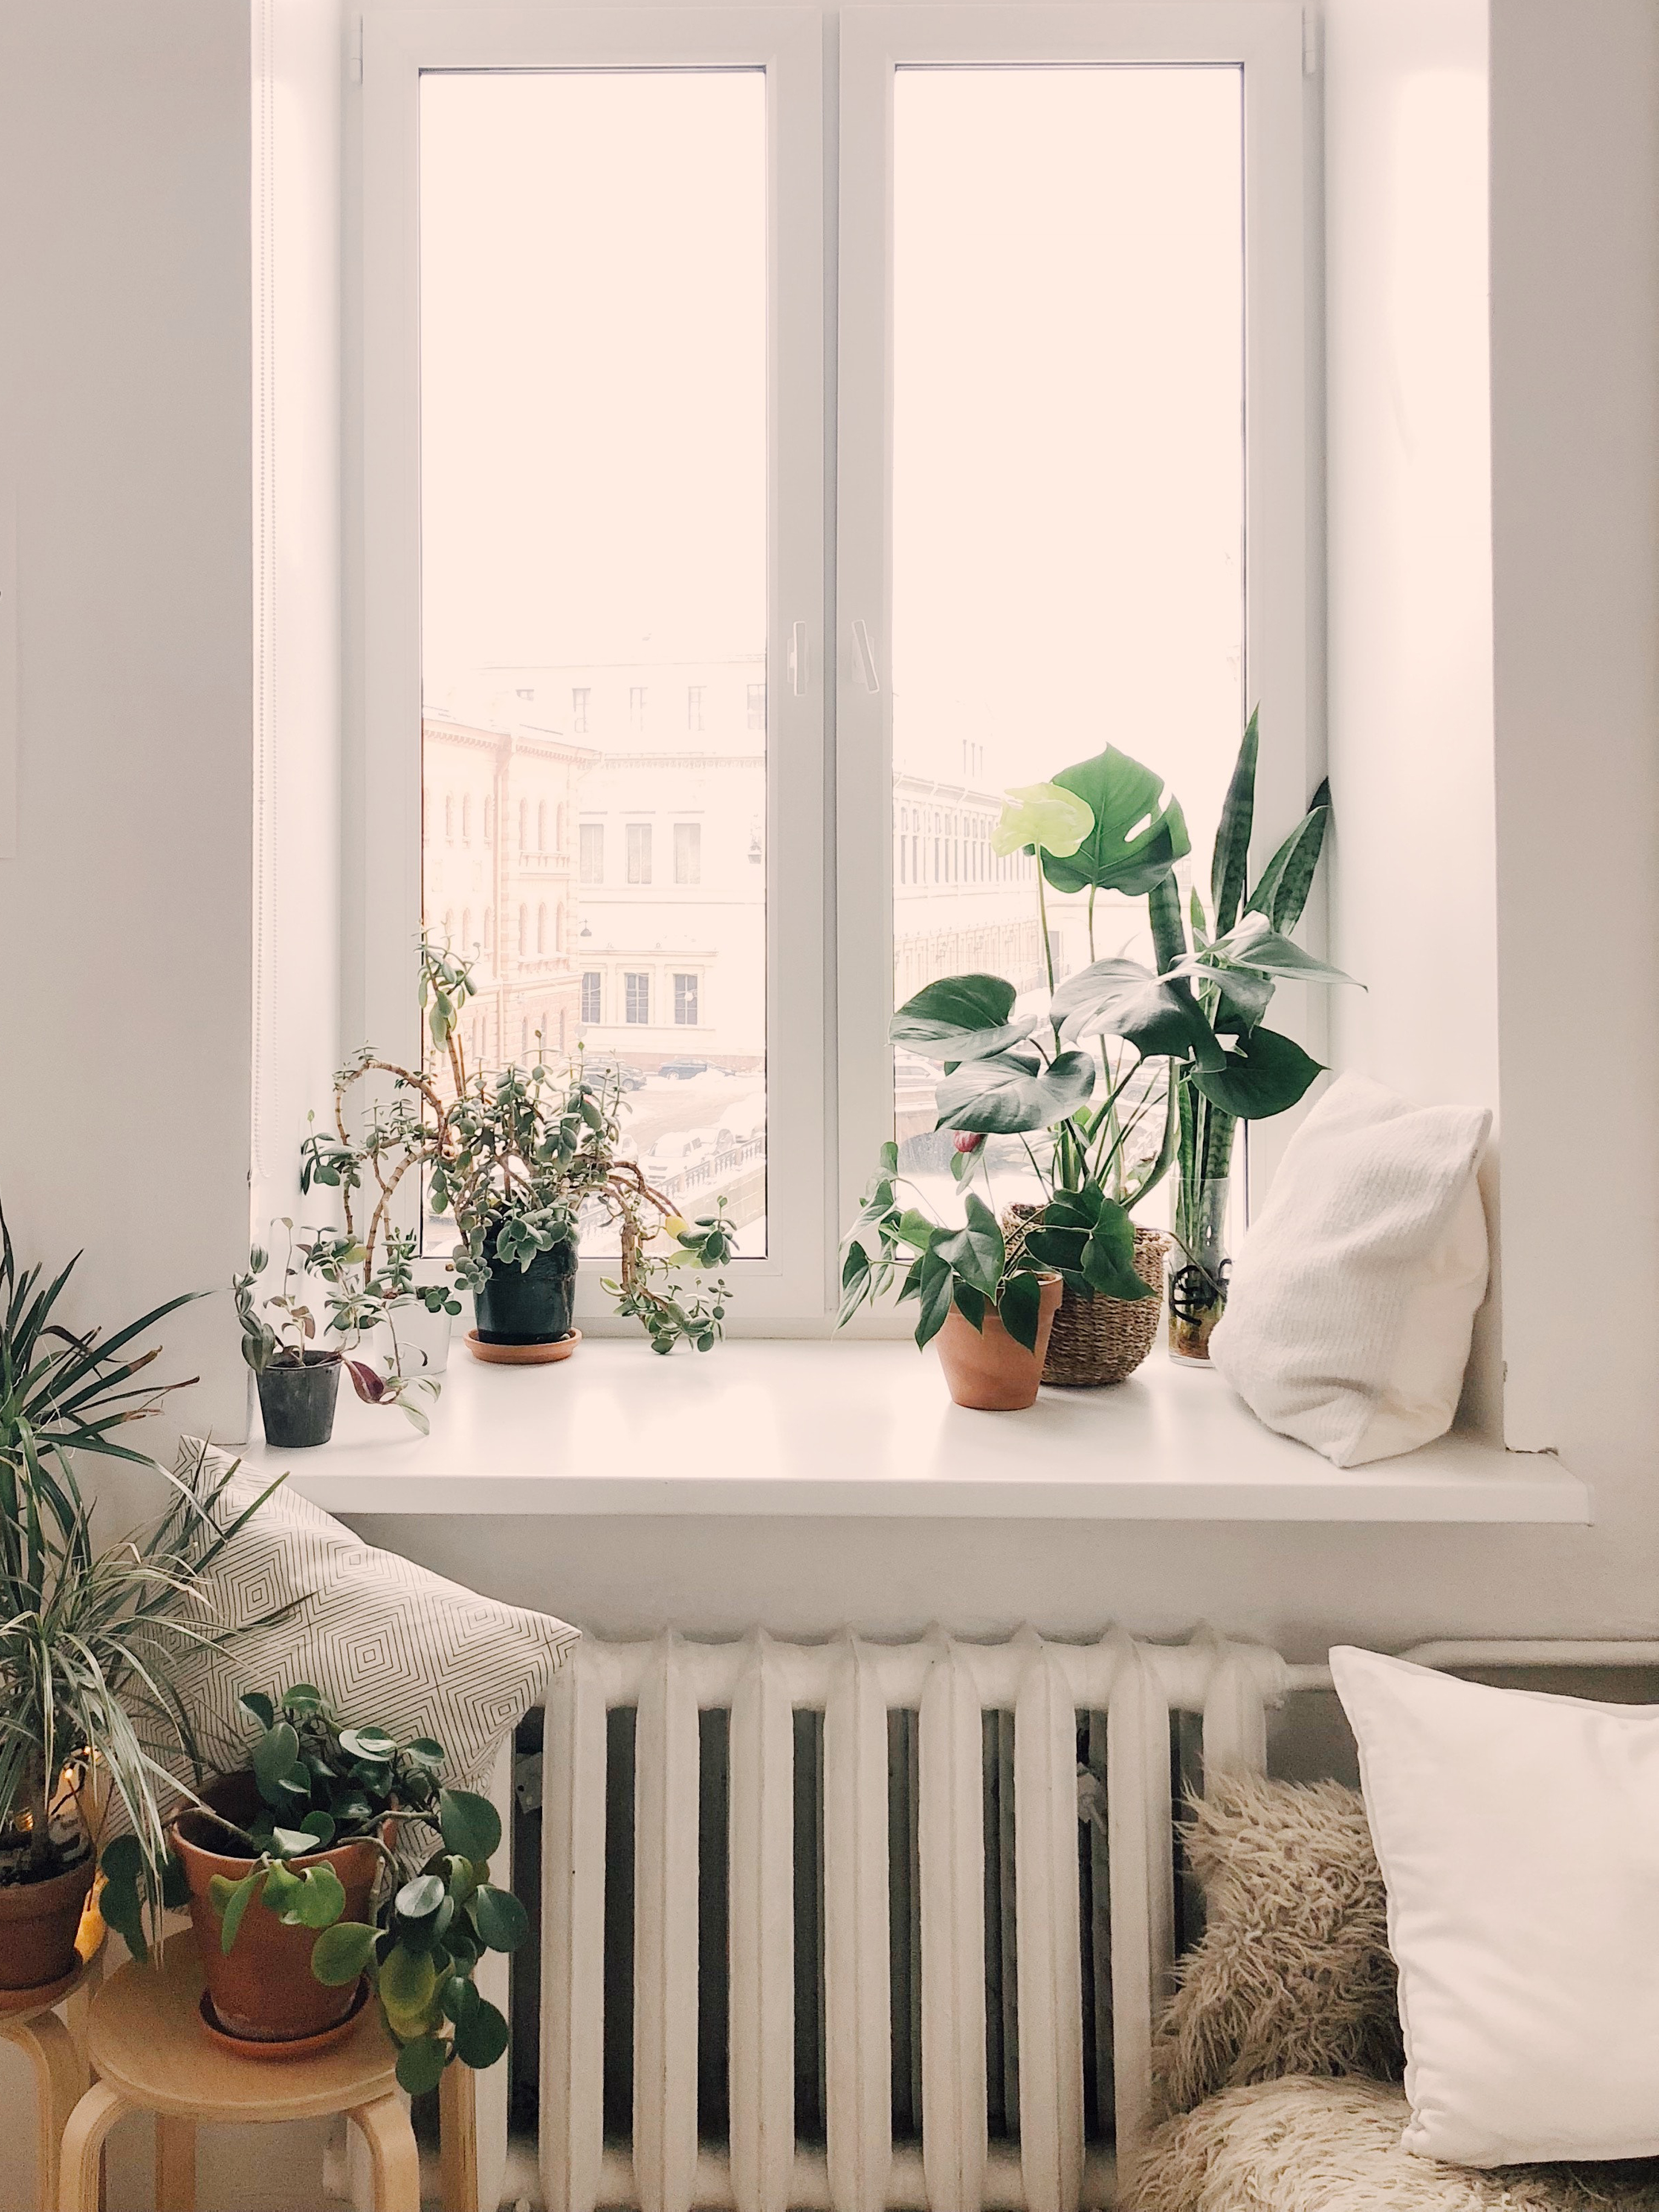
(297, 1403)
(527, 1305)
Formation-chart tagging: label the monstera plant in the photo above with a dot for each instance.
(1082, 1080)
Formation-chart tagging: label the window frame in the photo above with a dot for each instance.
(1264, 40)
(399, 44)
(829, 809)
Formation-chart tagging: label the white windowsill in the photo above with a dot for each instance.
(775, 1427)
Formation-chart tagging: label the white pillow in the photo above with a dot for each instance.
(1518, 1836)
(1354, 1292)
(387, 1642)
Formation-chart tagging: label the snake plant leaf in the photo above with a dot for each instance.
(1139, 831)
(1265, 1073)
(975, 1251)
(1287, 879)
(1159, 1017)
(1046, 815)
(1231, 861)
(1020, 1308)
(933, 1282)
(1002, 1097)
(960, 1018)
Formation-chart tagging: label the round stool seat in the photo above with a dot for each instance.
(145, 2038)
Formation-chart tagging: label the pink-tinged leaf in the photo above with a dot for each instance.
(367, 1382)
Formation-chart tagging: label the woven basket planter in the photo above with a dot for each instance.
(1100, 1340)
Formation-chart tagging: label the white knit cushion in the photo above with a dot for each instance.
(388, 1642)
(1354, 1292)
(1518, 1836)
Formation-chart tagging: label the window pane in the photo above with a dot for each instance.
(1068, 473)
(594, 406)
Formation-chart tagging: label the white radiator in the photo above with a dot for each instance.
(761, 2166)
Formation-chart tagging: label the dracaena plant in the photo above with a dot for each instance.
(321, 1784)
(516, 1156)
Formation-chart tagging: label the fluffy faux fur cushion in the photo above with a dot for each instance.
(1292, 1973)
(1303, 2146)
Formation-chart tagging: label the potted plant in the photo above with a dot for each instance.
(990, 1310)
(298, 1378)
(298, 1898)
(413, 1338)
(1203, 1008)
(521, 1159)
(86, 1636)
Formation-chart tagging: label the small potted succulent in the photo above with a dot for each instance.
(302, 1900)
(88, 1638)
(521, 1159)
(298, 1377)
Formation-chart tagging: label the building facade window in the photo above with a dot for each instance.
(637, 707)
(685, 1001)
(592, 999)
(541, 826)
(639, 851)
(688, 852)
(592, 840)
(467, 821)
(490, 929)
(523, 825)
(636, 996)
(756, 706)
(523, 930)
(541, 929)
(449, 817)
(694, 705)
(580, 696)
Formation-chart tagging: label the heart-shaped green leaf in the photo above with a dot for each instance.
(342, 1953)
(932, 1292)
(469, 1824)
(959, 1017)
(974, 1251)
(1139, 831)
(1046, 815)
(1001, 1096)
(1265, 1074)
(1020, 1308)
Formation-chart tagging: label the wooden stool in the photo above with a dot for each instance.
(151, 2054)
(59, 2061)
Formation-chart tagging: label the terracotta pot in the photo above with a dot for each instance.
(38, 1925)
(990, 1371)
(265, 1991)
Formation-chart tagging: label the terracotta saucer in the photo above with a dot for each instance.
(299, 2046)
(522, 1355)
(44, 1994)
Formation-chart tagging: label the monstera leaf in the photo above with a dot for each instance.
(960, 1018)
(1006, 1094)
(1045, 815)
(1265, 1073)
(1158, 1016)
(1136, 836)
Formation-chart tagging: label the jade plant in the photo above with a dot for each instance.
(322, 1783)
(519, 1158)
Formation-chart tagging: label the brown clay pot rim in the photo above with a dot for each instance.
(19, 1900)
(226, 1863)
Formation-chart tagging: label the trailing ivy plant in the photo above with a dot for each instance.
(323, 1784)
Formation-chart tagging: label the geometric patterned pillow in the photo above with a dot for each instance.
(388, 1642)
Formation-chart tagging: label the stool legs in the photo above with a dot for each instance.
(458, 2129)
(175, 2165)
(84, 2147)
(60, 2074)
(387, 2130)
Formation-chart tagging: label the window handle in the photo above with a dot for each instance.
(866, 653)
(797, 658)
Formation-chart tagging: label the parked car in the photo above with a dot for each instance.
(604, 1067)
(683, 1070)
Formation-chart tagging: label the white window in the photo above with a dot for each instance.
(541, 929)
(541, 826)
(1069, 244)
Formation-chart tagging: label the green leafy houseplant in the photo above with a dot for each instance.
(89, 1637)
(320, 1784)
(519, 1158)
